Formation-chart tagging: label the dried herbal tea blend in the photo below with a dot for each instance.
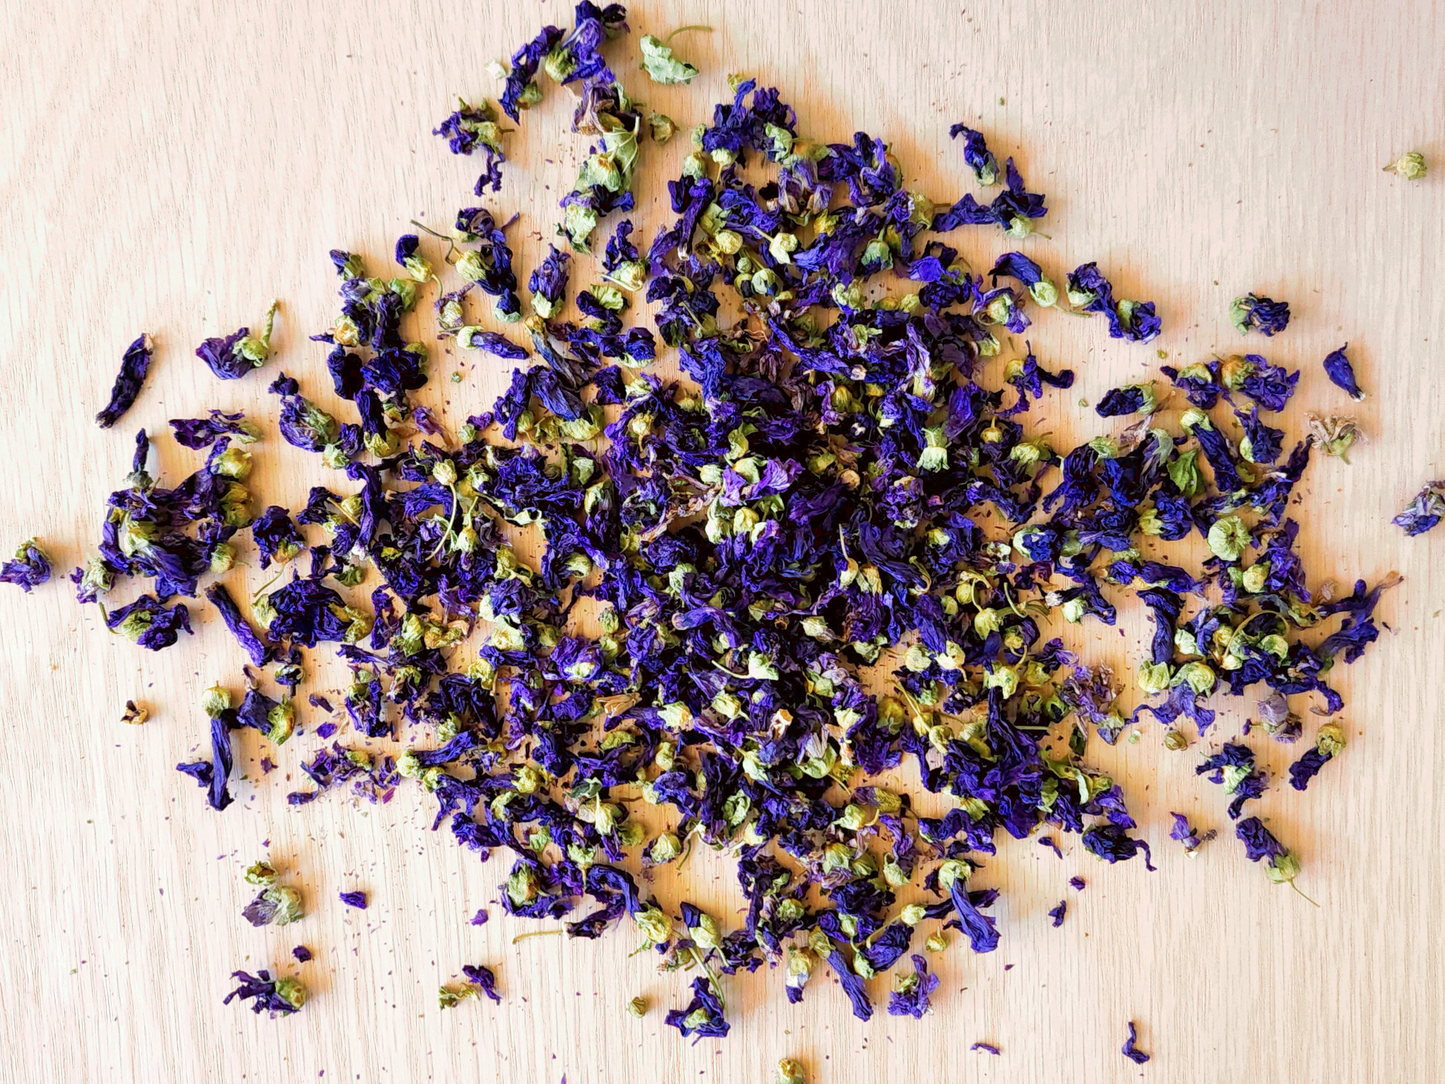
(840, 544)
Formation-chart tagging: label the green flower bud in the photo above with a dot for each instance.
(936, 942)
(261, 873)
(655, 925)
(1176, 740)
(215, 700)
(1410, 165)
(1199, 675)
(292, 992)
(1330, 740)
(283, 721)
(790, 1071)
(1184, 473)
(1228, 537)
(637, 1007)
(1153, 677)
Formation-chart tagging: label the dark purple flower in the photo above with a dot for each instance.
(354, 899)
(910, 994)
(134, 366)
(232, 356)
(1057, 913)
(1130, 399)
(1233, 768)
(149, 623)
(1259, 842)
(241, 629)
(1076, 883)
(1089, 290)
(1052, 844)
(703, 1016)
(276, 536)
(548, 283)
(976, 154)
(1113, 844)
(303, 423)
(29, 568)
(1138, 1057)
(1342, 373)
(1328, 743)
(214, 774)
(201, 432)
(279, 997)
(1261, 313)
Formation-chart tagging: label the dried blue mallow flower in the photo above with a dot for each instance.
(1424, 511)
(1018, 266)
(1057, 913)
(789, 1071)
(976, 154)
(1336, 435)
(912, 990)
(303, 423)
(1129, 399)
(279, 997)
(241, 629)
(1260, 313)
(1260, 844)
(146, 621)
(232, 356)
(1328, 743)
(1233, 767)
(1188, 835)
(1130, 1050)
(1342, 373)
(1410, 165)
(548, 283)
(354, 899)
(659, 63)
(277, 905)
(480, 982)
(1090, 291)
(466, 129)
(703, 1015)
(29, 568)
(134, 365)
(204, 432)
(407, 255)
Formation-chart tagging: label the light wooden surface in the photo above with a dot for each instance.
(170, 168)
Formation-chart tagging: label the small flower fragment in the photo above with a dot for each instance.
(1130, 1050)
(1262, 314)
(911, 991)
(1424, 511)
(637, 1007)
(1057, 913)
(302, 953)
(134, 365)
(703, 1015)
(480, 918)
(1328, 743)
(789, 1071)
(275, 905)
(28, 569)
(355, 899)
(134, 714)
(232, 356)
(1342, 373)
(1410, 165)
(659, 63)
(985, 1048)
(1336, 435)
(1076, 883)
(1188, 835)
(279, 997)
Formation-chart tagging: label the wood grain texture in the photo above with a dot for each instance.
(171, 168)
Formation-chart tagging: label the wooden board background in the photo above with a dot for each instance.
(171, 167)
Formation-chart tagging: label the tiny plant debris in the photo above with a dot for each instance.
(727, 571)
